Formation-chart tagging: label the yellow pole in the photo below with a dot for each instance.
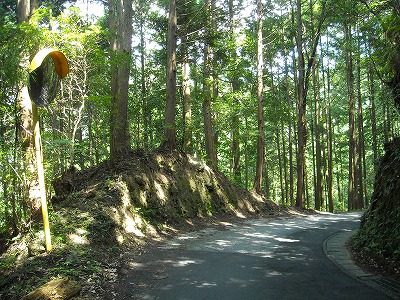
(40, 170)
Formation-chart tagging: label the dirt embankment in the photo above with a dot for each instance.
(164, 186)
(377, 243)
(99, 213)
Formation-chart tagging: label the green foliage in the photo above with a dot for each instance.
(379, 232)
(75, 128)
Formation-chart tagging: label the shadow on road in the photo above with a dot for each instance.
(258, 259)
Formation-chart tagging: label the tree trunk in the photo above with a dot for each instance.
(330, 161)
(145, 113)
(352, 188)
(25, 9)
(92, 141)
(120, 24)
(278, 147)
(170, 130)
(319, 199)
(260, 111)
(290, 133)
(285, 175)
(207, 94)
(268, 181)
(235, 89)
(373, 116)
(360, 145)
(303, 79)
(186, 99)
(301, 111)
(246, 153)
(329, 130)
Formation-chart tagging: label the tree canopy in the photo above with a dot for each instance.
(328, 70)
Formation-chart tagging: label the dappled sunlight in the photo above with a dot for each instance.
(132, 225)
(255, 237)
(239, 282)
(136, 265)
(143, 197)
(182, 262)
(185, 262)
(160, 193)
(206, 285)
(192, 184)
(287, 240)
(129, 222)
(79, 237)
(273, 273)
(259, 235)
(238, 258)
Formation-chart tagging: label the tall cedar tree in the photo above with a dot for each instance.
(260, 112)
(120, 24)
(303, 81)
(170, 131)
(207, 95)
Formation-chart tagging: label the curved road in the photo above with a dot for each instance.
(280, 258)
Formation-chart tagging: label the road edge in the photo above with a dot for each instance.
(335, 249)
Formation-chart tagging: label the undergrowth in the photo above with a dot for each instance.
(377, 242)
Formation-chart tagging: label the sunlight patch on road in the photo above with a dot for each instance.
(270, 274)
(286, 240)
(186, 262)
(206, 285)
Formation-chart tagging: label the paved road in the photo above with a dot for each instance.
(259, 259)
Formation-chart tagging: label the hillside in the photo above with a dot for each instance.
(377, 244)
(99, 213)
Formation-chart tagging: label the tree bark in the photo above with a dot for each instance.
(303, 79)
(25, 9)
(301, 110)
(260, 110)
(327, 94)
(207, 94)
(186, 99)
(235, 89)
(290, 136)
(360, 145)
(170, 110)
(371, 85)
(352, 188)
(145, 113)
(281, 165)
(319, 199)
(285, 175)
(120, 24)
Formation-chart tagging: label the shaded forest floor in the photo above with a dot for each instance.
(131, 205)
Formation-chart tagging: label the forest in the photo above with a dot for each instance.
(291, 99)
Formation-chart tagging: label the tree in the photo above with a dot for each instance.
(260, 110)
(352, 190)
(186, 100)
(303, 80)
(141, 14)
(170, 131)
(120, 24)
(207, 93)
(25, 9)
(234, 78)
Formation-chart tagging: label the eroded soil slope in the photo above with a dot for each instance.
(377, 243)
(99, 213)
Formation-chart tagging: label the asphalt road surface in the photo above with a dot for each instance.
(258, 259)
